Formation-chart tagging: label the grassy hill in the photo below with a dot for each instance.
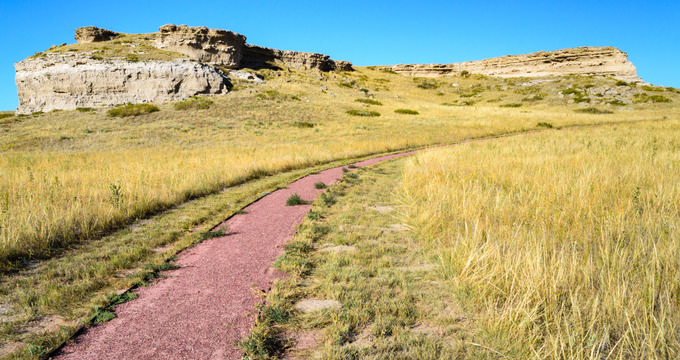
(76, 185)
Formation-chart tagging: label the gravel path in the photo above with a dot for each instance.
(202, 309)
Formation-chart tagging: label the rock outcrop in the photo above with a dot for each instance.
(89, 34)
(228, 49)
(210, 46)
(258, 57)
(68, 81)
(582, 60)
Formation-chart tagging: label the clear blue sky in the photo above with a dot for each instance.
(368, 32)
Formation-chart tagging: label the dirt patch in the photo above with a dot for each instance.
(304, 342)
(43, 324)
(382, 209)
(9, 348)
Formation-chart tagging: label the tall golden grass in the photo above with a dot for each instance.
(68, 176)
(561, 245)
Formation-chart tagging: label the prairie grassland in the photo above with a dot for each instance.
(66, 177)
(561, 245)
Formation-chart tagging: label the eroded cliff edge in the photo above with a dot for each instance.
(108, 68)
(581, 60)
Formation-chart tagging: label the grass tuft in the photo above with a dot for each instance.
(593, 110)
(369, 101)
(362, 113)
(406, 111)
(295, 199)
(320, 185)
(132, 110)
(193, 102)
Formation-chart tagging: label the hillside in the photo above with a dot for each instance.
(89, 196)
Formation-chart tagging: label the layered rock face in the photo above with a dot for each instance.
(229, 49)
(80, 79)
(582, 60)
(89, 34)
(66, 82)
(210, 46)
(257, 57)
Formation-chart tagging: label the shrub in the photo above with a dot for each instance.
(426, 84)
(536, 97)
(643, 98)
(465, 74)
(616, 102)
(132, 57)
(653, 88)
(275, 95)
(512, 105)
(319, 185)
(622, 83)
(593, 110)
(295, 199)
(303, 124)
(546, 125)
(132, 110)
(362, 113)
(406, 111)
(193, 102)
(4, 116)
(85, 109)
(369, 101)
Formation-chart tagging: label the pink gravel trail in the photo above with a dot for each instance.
(202, 309)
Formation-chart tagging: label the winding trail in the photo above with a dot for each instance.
(202, 309)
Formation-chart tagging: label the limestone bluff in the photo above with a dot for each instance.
(68, 77)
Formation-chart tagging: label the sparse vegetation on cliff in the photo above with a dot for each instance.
(132, 110)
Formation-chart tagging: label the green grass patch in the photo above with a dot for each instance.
(511, 105)
(369, 101)
(132, 110)
(545, 125)
(355, 112)
(616, 102)
(193, 102)
(303, 124)
(275, 96)
(593, 110)
(294, 200)
(406, 111)
(645, 98)
(85, 109)
(320, 185)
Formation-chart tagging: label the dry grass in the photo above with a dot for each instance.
(68, 176)
(562, 244)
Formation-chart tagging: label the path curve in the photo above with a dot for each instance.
(202, 309)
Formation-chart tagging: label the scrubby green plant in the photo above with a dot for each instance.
(84, 109)
(369, 101)
(193, 102)
(347, 83)
(460, 103)
(644, 97)
(303, 124)
(406, 111)
(536, 97)
(426, 84)
(653, 88)
(320, 185)
(511, 105)
(4, 116)
(275, 95)
(465, 74)
(593, 110)
(132, 57)
(622, 83)
(295, 199)
(546, 125)
(616, 102)
(355, 112)
(132, 110)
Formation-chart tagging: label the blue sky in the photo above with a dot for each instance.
(368, 32)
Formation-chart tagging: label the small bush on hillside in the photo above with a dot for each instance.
(369, 101)
(275, 95)
(622, 83)
(593, 110)
(319, 185)
(426, 84)
(546, 125)
(643, 98)
(536, 97)
(132, 57)
(406, 111)
(132, 110)
(354, 112)
(347, 83)
(460, 103)
(4, 116)
(85, 109)
(193, 102)
(616, 102)
(653, 88)
(512, 105)
(465, 74)
(303, 124)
